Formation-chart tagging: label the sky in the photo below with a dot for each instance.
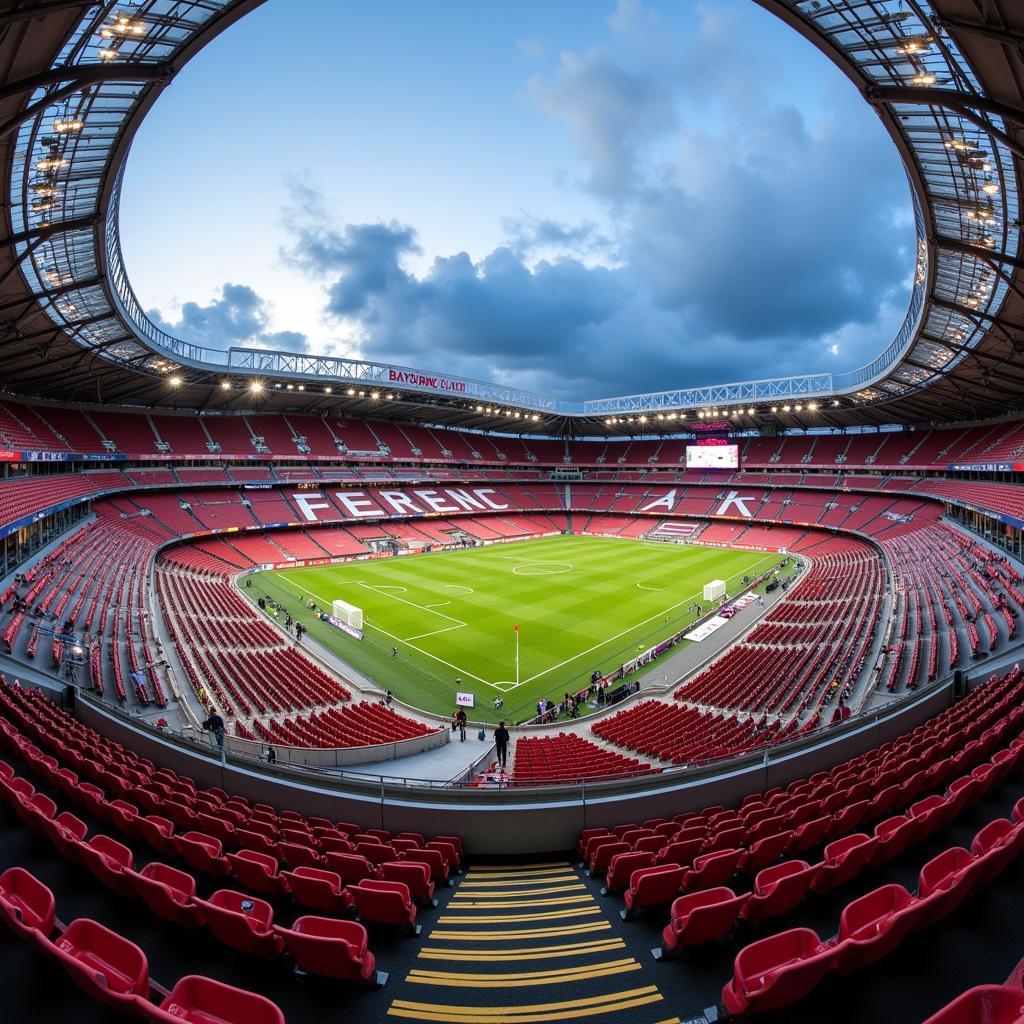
(585, 198)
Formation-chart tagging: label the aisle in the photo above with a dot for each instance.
(542, 919)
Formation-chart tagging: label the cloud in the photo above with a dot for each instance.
(612, 112)
(733, 236)
(239, 316)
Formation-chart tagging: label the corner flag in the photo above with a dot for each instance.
(515, 628)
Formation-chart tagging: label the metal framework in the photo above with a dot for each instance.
(959, 146)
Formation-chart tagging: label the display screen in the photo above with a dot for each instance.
(713, 456)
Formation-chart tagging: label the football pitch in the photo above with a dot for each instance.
(581, 604)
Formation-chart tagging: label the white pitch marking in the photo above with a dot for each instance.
(369, 625)
(637, 625)
(459, 586)
(643, 586)
(440, 604)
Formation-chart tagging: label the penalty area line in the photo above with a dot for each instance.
(369, 625)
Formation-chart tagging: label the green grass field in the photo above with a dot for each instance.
(581, 603)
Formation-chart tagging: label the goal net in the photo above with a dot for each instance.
(349, 614)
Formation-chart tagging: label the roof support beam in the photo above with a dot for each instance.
(77, 224)
(1000, 35)
(88, 74)
(961, 103)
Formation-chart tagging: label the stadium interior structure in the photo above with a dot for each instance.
(791, 827)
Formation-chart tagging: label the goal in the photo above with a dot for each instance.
(351, 615)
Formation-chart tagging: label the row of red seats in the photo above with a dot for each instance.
(781, 969)
(569, 756)
(113, 970)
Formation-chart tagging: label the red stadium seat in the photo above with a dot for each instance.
(874, 925)
(197, 1000)
(349, 866)
(202, 852)
(777, 890)
(700, 917)
(622, 867)
(26, 905)
(651, 887)
(712, 869)
(389, 903)
(319, 890)
(415, 876)
(844, 858)
(943, 884)
(168, 892)
(105, 965)
(330, 948)
(258, 872)
(242, 922)
(776, 972)
(108, 860)
(985, 1004)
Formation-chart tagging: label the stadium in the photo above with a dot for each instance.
(755, 643)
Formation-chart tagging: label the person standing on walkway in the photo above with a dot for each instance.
(501, 742)
(460, 722)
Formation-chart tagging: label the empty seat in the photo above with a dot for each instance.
(258, 872)
(434, 859)
(350, 866)
(651, 887)
(602, 855)
(764, 852)
(105, 965)
(844, 859)
(622, 867)
(985, 1004)
(204, 1001)
(242, 922)
(168, 892)
(943, 884)
(776, 971)
(712, 869)
(319, 889)
(331, 948)
(389, 903)
(108, 860)
(26, 905)
(873, 926)
(202, 852)
(700, 917)
(415, 876)
(777, 890)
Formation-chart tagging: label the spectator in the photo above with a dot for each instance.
(215, 724)
(459, 723)
(501, 741)
(271, 755)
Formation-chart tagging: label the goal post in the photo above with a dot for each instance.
(347, 617)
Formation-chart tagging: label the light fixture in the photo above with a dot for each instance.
(750, 411)
(225, 385)
(924, 78)
(291, 387)
(785, 408)
(799, 408)
(256, 386)
(174, 381)
(328, 390)
(107, 53)
(302, 387)
(65, 126)
(990, 188)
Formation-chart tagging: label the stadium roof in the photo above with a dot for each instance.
(76, 79)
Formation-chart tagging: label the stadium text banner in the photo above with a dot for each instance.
(464, 700)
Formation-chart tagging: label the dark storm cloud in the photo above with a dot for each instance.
(238, 317)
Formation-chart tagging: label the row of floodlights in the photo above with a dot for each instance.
(714, 414)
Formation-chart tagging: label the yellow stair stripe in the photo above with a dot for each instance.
(495, 878)
(514, 955)
(565, 1010)
(522, 933)
(485, 981)
(501, 894)
(471, 903)
(521, 880)
(473, 976)
(548, 915)
(558, 949)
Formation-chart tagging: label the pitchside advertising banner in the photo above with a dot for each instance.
(465, 700)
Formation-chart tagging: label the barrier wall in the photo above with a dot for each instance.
(517, 820)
